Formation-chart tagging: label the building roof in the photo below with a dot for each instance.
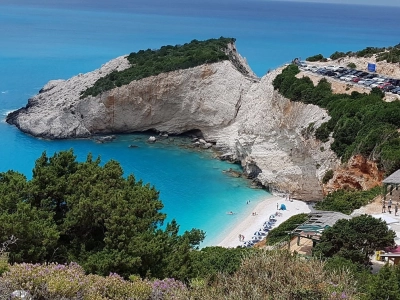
(318, 222)
(393, 178)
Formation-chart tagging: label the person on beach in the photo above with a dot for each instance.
(383, 206)
(396, 208)
(390, 206)
(240, 238)
(277, 206)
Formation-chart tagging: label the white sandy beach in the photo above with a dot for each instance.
(264, 210)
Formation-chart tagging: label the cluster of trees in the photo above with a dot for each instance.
(91, 214)
(347, 201)
(317, 57)
(145, 63)
(360, 123)
(390, 54)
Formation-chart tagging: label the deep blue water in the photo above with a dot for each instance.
(48, 40)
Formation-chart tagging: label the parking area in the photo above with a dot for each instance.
(357, 78)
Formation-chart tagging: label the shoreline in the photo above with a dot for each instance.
(267, 207)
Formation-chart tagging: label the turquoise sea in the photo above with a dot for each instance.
(49, 40)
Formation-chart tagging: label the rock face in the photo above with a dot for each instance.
(235, 111)
(359, 173)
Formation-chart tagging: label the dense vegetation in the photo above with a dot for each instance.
(145, 63)
(390, 54)
(280, 233)
(347, 201)
(355, 239)
(261, 275)
(360, 123)
(349, 244)
(91, 214)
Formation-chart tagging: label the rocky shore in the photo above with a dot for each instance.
(238, 114)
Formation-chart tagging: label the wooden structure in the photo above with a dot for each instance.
(316, 224)
(391, 186)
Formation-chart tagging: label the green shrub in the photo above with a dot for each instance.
(278, 275)
(280, 233)
(347, 201)
(318, 57)
(55, 281)
(351, 65)
(328, 176)
(337, 55)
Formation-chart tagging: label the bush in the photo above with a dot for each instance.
(328, 176)
(351, 65)
(278, 275)
(337, 55)
(56, 281)
(280, 233)
(317, 57)
(347, 201)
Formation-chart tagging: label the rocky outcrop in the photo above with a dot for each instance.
(236, 112)
(358, 173)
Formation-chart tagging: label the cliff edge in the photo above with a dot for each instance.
(239, 113)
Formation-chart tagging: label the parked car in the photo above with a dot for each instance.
(332, 68)
(356, 79)
(330, 73)
(302, 64)
(364, 81)
(395, 90)
(375, 84)
(370, 76)
(348, 77)
(382, 85)
(369, 82)
(389, 88)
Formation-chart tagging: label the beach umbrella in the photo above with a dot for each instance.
(283, 206)
(259, 233)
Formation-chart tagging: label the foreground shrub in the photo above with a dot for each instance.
(167, 288)
(278, 275)
(56, 281)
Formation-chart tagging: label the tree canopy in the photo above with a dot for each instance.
(355, 239)
(93, 215)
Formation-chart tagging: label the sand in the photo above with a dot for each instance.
(249, 225)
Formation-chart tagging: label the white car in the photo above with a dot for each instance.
(332, 68)
(349, 77)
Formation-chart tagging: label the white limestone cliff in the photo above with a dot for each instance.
(240, 114)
